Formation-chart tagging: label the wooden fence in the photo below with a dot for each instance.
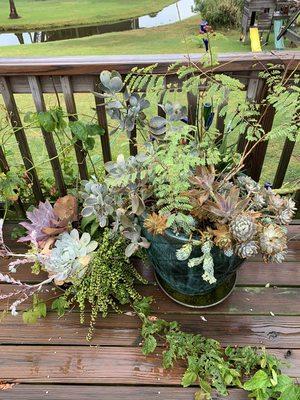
(72, 75)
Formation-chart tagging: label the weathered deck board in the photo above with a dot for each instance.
(251, 273)
(243, 300)
(80, 392)
(123, 330)
(99, 365)
(45, 357)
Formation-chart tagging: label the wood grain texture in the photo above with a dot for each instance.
(40, 106)
(283, 164)
(102, 120)
(94, 64)
(72, 114)
(82, 392)
(250, 273)
(243, 300)
(124, 330)
(100, 365)
(16, 123)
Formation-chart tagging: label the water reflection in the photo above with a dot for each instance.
(180, 10)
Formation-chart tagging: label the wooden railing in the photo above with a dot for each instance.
(72, 75)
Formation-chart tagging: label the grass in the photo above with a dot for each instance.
(119, 142)
(174, 38)
(59, 13)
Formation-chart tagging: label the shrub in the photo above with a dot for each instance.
(225, 13)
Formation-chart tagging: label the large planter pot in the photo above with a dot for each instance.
(183, 284)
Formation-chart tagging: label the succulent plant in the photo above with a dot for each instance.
(46, 221)
(70, 256)
(156, 224)
(128, 174)
(97, 202)
(243, 227)
(41, 217)
(111, 82)
(133, 233)
(287, 212)
(184, 252)
(279, 257)
(129, 112)
(272, 240)
(247, 183)
(174, 111)
(158, 126)
(225, 207)
(207, 262)
(222, 237)
(247, 249)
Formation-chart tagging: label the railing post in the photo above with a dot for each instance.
(19, 132)
(257, 92)
(72, 114)
(283, 163)
(40, 106)
(3, 162)
(102, 120)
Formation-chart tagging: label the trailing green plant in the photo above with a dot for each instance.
(212, 367)
(108, 283)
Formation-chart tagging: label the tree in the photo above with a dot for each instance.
(13, 11)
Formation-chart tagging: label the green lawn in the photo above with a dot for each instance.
(174, 38)
(58, 13)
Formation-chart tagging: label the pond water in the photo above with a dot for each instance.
(175, 12)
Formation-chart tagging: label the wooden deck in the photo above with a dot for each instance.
(52, 360)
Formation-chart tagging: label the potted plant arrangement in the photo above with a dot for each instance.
(185, 199)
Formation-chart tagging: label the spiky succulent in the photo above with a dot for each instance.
(70, 257)
(46, 221)
(272, 240)
(222, 237)
(247, 249)
(248, 184)
(285, 215)
(225, 207)
(156, 224)
(41, 217)
(243, 227)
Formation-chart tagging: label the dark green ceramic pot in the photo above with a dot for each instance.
(184, 284)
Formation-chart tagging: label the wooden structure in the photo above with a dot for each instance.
(52, 360)
(72, 75)
(260, 13)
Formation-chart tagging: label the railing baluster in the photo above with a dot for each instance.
(257, 91)
(254, 88)
(3, 162)
(19, 132)
(220, 124)
(40, 106)
(102, 120)
(267, 112)
(72, 114)
(4, 167)
(133, 142)
(283, 163)
(192, 108)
